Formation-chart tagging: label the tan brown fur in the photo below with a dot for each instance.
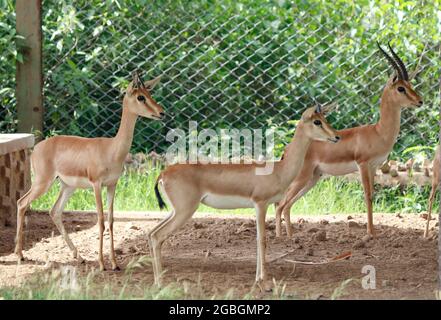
(365, 146)
(187, 185)
(86, 162)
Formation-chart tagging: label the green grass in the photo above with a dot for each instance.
(330, 196)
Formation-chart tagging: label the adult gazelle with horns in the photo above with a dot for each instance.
(362, 148)
(230, 186)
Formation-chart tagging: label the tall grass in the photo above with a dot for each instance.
(330, 196)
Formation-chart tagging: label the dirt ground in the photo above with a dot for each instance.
(220, 252)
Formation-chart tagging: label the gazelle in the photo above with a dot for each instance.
(88, 162)
(363, 148)
(436, 180)
(229, 186)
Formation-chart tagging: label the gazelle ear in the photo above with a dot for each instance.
(318, 108)
(393, 78)
(149, 85)
(329, 107)
(413, 74)
(130, 89)
(308, 113)
(135, 84)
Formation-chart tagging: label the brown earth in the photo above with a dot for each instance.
(219, 251)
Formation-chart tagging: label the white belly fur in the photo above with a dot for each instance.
(379, 161)
(83, 183)
(342, 168)
(339, 168)
(76, 182)
(232, 202)
(226, 201)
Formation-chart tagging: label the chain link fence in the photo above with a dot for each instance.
(8, 121)
(234, 64)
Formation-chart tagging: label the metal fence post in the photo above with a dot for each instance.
(29, 81)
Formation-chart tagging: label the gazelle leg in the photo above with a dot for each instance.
(287, 211)
(429, 212)
(278, 220)
(99, 208)
(367, 179)
(287, 218)
(56, 215)
(37, 189)
(160, 234)
(110, 199)
(159, 225)
(297, 190)
(155, 246)
(184, 202)
(261, 209)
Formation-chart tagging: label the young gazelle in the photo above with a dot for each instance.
(87, 162)
(229, 186)
(363, 148)
(436, 180)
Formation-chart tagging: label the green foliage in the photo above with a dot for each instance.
(226, 63)
(8, 59)
(238, 63)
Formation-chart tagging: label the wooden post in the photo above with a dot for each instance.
(29, 89)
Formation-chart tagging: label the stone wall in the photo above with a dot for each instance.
(15, 174)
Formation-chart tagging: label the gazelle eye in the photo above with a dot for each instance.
(317, 122)
(401, 89)
(141, 98)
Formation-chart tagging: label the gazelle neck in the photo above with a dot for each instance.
(390, 119)
(123, 139)
(294, 156)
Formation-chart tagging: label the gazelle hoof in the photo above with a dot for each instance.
(372, 234)
(157, 283)
(264, 286)
(116, 268)
(367, 238)
(19, 255)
